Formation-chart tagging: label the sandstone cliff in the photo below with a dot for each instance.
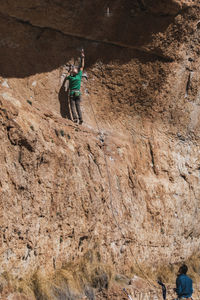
(119, 194)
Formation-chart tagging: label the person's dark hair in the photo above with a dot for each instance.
(183, 269)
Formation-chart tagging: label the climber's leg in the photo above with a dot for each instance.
(78, 109)
(72, 104)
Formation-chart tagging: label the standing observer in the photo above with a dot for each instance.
(183, 284)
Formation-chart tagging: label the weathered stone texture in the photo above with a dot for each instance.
(125, 184)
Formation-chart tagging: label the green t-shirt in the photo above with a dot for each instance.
(75, 82)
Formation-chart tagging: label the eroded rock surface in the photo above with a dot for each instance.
(121, 190)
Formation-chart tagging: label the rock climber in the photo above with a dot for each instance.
(183, 284)
(74, 76)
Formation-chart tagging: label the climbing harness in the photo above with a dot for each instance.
(77, 93)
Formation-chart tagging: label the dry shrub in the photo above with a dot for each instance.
(73, 280)
(87, 275)
(168, 272)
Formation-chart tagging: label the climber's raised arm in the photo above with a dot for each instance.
(68, 71)
(82, 60)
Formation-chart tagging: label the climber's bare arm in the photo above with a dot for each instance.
(68, 71)
(82, 60)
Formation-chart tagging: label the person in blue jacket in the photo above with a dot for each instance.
(183, 284)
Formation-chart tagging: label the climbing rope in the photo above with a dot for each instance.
(102, 139)
(111, 197)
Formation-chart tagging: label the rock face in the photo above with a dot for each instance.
(122, 190)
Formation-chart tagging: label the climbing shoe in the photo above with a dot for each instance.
(80, 122)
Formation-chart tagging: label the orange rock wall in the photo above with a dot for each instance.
(126, 182)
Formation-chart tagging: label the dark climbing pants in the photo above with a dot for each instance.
(75, 107)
